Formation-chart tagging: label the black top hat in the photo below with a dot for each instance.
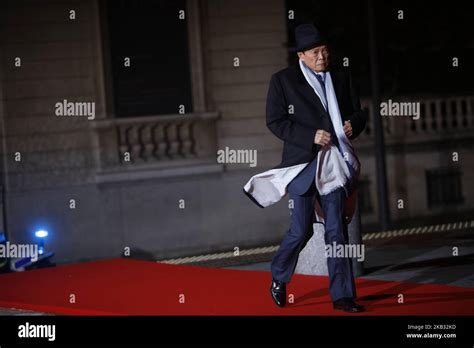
(307, 36)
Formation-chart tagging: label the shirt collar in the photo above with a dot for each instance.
(321, 73)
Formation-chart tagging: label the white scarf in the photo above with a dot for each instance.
(332, 169)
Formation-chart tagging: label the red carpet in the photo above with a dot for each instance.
(132, 287)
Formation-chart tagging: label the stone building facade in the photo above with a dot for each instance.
(171, 198)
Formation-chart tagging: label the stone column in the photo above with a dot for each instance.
(312, 258)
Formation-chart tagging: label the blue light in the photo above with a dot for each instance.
(41, 234)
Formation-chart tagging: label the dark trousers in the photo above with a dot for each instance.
(303, 193)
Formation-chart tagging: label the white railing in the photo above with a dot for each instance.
(437, 116)
(155, 139)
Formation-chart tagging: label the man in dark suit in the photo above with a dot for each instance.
(297, 115)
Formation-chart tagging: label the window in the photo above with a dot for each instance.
(444, 187)
(152, 35)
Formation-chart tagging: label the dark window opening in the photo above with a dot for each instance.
(408, 53)
(155, 39)
(444, 187)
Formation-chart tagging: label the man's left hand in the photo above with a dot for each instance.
(348, 128)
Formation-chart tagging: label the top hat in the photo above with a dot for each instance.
(307, 36)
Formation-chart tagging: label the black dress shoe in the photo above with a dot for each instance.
(278, 292)
(348, 305)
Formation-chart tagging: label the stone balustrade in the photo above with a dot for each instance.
(437, 116)
(153, 141)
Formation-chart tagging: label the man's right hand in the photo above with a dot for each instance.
(322, 137)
